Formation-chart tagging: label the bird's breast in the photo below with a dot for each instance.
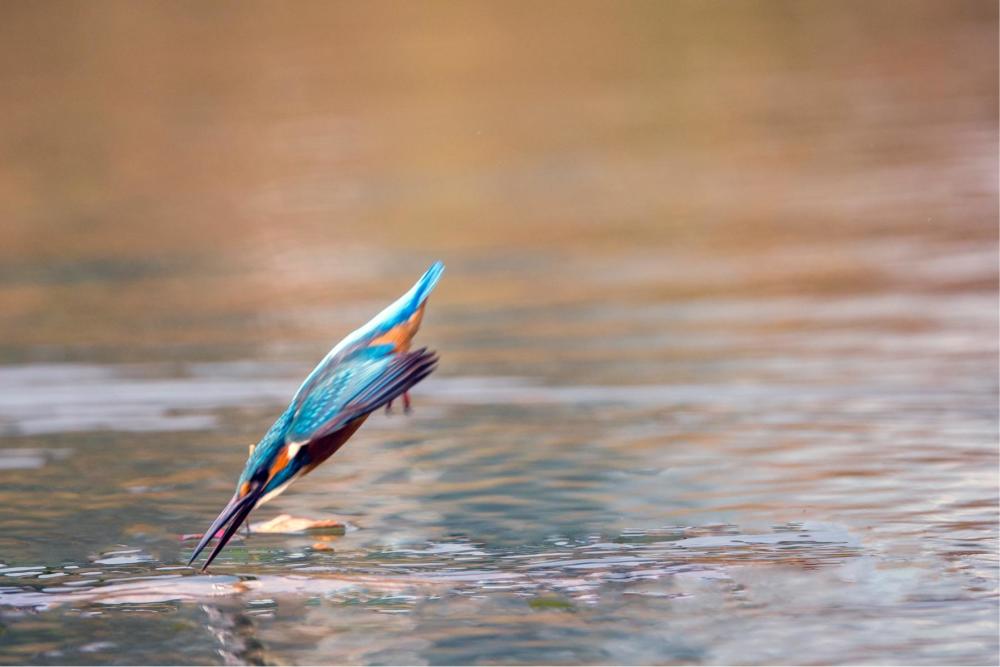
(321, 449)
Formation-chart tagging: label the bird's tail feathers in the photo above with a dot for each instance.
(425, 285)
(396, 313)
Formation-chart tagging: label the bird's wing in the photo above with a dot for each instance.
(360, 384)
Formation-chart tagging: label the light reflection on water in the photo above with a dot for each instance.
(504, 497)
(718, 333)
(577, 568)
(563, 577)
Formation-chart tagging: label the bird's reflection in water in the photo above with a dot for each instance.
(236, 633)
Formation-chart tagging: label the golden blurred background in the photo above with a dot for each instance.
(171, 170)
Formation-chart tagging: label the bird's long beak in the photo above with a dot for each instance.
(233, 514)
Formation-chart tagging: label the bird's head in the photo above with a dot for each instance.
(268, 469)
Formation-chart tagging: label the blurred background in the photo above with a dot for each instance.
(717, 271)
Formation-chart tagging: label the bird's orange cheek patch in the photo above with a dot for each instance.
(279, 462)
(244, 489)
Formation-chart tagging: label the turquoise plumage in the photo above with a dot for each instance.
(363, 372)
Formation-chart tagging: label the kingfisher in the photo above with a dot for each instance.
(365, 371)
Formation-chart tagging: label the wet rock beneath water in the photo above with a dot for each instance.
(185, 537)
(287, 524)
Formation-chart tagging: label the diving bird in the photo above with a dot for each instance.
(363, 372)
